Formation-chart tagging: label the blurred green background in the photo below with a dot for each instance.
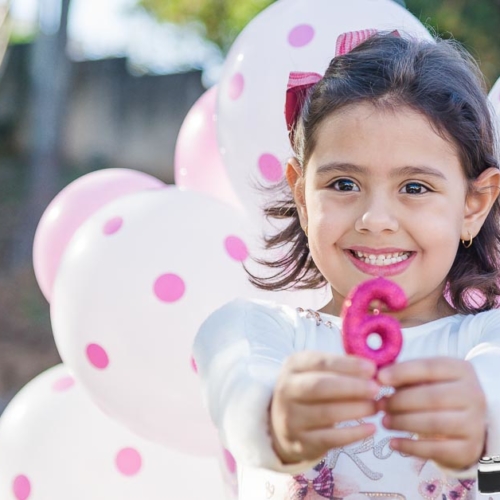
(57, 124)
(474, 22)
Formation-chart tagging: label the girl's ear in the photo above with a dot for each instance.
(295, 179)
(481, 197)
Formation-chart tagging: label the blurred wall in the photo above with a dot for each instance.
(114, 119)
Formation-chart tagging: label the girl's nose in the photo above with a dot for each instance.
(377, 217)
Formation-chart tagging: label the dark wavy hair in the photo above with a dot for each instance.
(438, 79)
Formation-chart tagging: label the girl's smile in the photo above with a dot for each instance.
(380, 262)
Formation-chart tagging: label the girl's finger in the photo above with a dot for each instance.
(306, 361)
(421, 371)
(320, 387)
(323, 416)
(446, 424)
(427, 397)
(451, 454)
(315, 443)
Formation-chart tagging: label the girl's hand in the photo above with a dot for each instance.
(314, 392)
(441, 400)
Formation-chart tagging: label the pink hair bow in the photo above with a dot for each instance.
(296, 92)
(299, 83)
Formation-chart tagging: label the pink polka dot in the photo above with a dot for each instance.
(230, 461)
(63, 384)
(270, 167)
(21, 488)
(236, 86)
(169, 288)
(112, 226)
(194, 366)
(128, 461)
(301, 35)
(236, 248)
(97, 356)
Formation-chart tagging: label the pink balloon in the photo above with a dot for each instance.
(71, 207)
(198, 163)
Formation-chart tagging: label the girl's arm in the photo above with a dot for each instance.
(275, 414)
(239, 351)
(485, 358)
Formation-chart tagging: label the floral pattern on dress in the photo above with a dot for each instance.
(434, 485)
(321, 484)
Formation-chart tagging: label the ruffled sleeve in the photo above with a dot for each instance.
(482, 338)
(485, 357)
(239, 351)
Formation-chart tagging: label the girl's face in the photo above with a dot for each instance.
(384, 195)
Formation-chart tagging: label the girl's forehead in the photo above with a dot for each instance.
(383, 137)
(366, 114)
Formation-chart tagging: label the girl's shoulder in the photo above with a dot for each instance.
(244, 328)
(460, 323)
(467, 331)
(486, 323)
(485, 319)
(250, 320)
(255, 311)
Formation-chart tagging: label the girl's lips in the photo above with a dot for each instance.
(373, 270)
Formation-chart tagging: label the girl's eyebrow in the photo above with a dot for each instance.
(411, 170)
(407, 171)
(340, 167)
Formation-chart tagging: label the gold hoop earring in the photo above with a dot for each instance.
(468, 244)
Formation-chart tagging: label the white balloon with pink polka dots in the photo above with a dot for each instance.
(290, 35)
(56, 444)
(135, 283)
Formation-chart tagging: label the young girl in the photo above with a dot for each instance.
(395, 174)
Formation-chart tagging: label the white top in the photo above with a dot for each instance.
(239, 351)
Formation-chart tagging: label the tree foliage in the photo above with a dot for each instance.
(473, 22)
(222, 20)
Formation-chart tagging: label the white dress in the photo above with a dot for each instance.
(239, 351)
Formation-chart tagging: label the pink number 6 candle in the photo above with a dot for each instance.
(358, 324)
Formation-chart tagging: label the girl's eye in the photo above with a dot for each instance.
(345, 185)
(414, 188)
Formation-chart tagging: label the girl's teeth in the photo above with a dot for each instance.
(382, 260)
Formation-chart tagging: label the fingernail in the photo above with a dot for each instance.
(384, 377)
(366, 365)
(393, 444)
(374, 387)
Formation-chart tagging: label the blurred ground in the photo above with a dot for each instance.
(26, 342)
